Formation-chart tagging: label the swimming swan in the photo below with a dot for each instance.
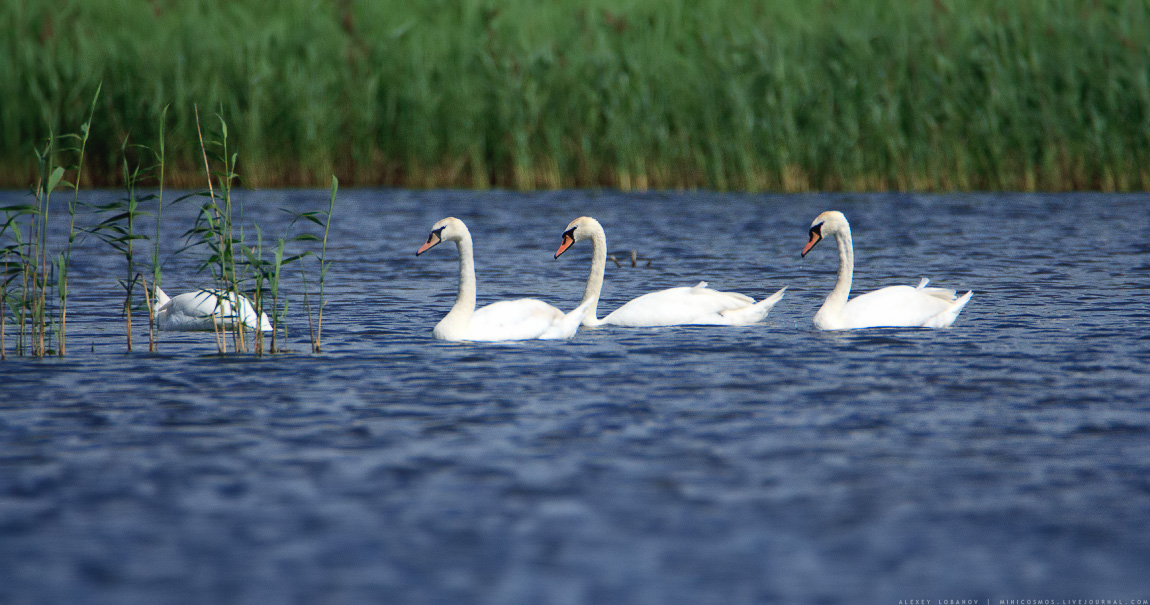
(522, 319)
(894, 306)
(203, 310)
(675, 306)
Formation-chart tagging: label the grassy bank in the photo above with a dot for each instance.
(726, 94)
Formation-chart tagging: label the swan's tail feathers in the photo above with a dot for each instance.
(753, 313)
(947, 317)
(700, 286)
(160, 300)
(946, 294)
(569, 325)
(248, 314)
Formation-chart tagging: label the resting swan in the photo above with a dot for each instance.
(204, 310)
(522, 319)
(893, 306)
(671, 307)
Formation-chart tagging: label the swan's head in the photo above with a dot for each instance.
(825, 224)
(578, 230)
(449, 229)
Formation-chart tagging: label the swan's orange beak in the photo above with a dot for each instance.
(568, 241)
(816, 237)
(431, 242)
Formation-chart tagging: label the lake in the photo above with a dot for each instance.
(1007, 457)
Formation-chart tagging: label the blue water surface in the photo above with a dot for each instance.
(1007, 457)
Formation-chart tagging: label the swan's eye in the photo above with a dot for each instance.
(817, 230)
(570, 233)
(436, 234)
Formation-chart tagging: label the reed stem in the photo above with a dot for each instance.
(221, 343)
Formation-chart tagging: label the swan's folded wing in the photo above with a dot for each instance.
(522, 319)
(728, 300)
(679, 306)
(195, 311)
(895, 306)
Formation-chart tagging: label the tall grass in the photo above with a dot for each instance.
(215, 230)
(157, 272)
(728, 94)
(37, 274)
(323, 220)
(29, 270)
(27, 260)
(119, 228)
(79, 143)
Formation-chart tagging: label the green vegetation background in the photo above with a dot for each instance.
(787, 95)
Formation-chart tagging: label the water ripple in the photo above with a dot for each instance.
(1005, 456)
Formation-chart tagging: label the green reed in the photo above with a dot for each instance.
(16, 291)
(140, 166)
(28, 270)
(40, 271)
(234, 263)
(15, 295)
(27, 260)
(119, 228)
(157, 273)
(64, 259)
(726, 94)
(267, 275)
(215, 229)
(323, 220)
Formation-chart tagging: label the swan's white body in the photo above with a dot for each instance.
(522, 319)
(894, 306)
(698, 305)
(204, 310)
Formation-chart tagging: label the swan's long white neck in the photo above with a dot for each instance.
(460, 314)
(595, 279)
(837, 299)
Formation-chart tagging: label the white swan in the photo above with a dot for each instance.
(205, 310)
(893, 306)
(698, 305)
(522, 319)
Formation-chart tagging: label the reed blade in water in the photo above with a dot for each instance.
(156, 266)
(26, 257)
(14, 293)
(119, 229)
(266, 274)
(64, 260)
(219, 228)
(323, 219)
(215, 229)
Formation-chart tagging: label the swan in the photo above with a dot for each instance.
(522, 319)
(698, 305)
(205, 310)
(893, 306)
